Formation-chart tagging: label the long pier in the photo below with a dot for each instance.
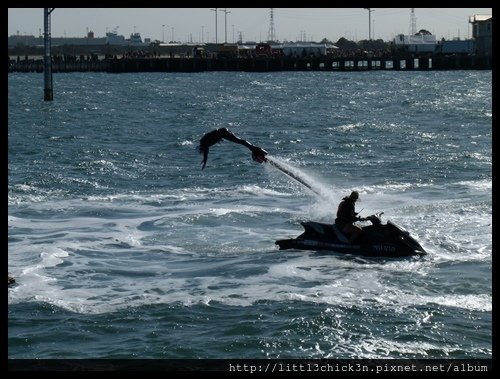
(258, 64)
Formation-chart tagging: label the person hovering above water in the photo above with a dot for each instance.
(211, 138)
(346, 216)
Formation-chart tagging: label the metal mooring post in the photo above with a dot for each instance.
(47, 58)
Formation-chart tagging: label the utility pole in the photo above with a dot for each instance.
(369, 23)
(215, 10)
(225, 23)
(47, 57)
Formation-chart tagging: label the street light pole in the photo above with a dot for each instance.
(369, 23)
(215, 10)
(225, 23)
(163, 33)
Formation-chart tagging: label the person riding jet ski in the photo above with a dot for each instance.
(346, 216)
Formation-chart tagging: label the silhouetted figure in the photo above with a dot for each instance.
(211, 138)
(346, 216)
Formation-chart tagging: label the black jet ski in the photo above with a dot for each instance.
(377, 240)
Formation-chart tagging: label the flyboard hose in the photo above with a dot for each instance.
(291, 174)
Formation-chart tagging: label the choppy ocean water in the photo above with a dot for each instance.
(123, 248)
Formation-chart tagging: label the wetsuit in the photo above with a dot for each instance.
(215, 136)
(345, 213)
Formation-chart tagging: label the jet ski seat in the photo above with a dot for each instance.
(340, 235)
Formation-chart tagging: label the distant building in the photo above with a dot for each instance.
(24, 40)
(456, 47)
(482, 31)
(419, 43)
(305, 49)
(182, 50)
(76, 41)
(112, 38)
(135, 40)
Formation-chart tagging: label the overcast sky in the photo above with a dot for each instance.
(198, 24)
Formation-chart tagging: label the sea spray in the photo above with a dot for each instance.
(327, 197)
(300, 176)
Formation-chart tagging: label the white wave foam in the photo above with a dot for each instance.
(324, 280)
(476, 302)
(190, 225)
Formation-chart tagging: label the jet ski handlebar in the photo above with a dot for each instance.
(375, 218)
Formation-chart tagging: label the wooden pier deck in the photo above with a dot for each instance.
(259, 64)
